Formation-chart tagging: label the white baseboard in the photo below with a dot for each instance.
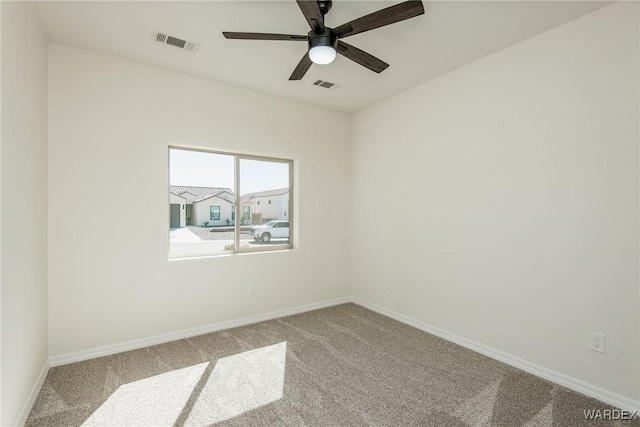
(587, 389)
(540, 371)
(26, 409)
(106, 350)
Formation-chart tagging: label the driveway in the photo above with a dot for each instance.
(183, 243)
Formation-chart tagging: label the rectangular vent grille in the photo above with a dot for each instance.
(324, 84)
(174, 41)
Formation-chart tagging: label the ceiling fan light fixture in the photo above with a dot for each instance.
(322, 54)
(322, 47)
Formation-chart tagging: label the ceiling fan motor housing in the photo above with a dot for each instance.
(327, 38)
(325, 6)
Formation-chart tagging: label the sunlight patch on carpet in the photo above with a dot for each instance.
(241, 383)
(478, 410)
(153, 401)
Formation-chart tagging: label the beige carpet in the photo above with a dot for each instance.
(341, 366)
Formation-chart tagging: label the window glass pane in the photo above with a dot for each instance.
(214, 213)
(201, 198)
(264, 181)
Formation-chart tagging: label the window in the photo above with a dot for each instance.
(210, 186)
(214, 213)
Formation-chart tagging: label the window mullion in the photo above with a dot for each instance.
(236, 226)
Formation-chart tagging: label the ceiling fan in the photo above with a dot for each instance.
(324, 42)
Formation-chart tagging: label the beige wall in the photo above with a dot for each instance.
(24, 207)
(111, 121)
(523, 171)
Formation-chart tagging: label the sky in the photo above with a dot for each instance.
(201, 169)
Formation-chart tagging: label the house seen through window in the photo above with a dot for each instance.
(205, 189)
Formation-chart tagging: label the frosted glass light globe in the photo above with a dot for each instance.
(322, 54)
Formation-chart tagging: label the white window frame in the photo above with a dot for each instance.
(239, 157)
(238, 203)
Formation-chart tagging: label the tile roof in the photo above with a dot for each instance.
(203, 193)
(277, 192)
(224, 195)
(199, 192)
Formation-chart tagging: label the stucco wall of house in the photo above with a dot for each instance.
(202, 212)
(284, 207)
(279, 204)
(245, 220)
(190, 198)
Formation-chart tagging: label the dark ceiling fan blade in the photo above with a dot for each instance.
(312, 14)
(390, 15)
(302, 68)
(361, 57)
(262, 36)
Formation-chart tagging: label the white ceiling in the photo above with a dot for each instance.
(449, 35)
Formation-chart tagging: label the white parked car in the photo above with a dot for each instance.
(272, 229)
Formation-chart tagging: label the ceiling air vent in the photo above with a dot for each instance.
(324, 84)
(174, 41)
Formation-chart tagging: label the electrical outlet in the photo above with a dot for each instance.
(387, 284)
(252, 289)
(596, 342)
